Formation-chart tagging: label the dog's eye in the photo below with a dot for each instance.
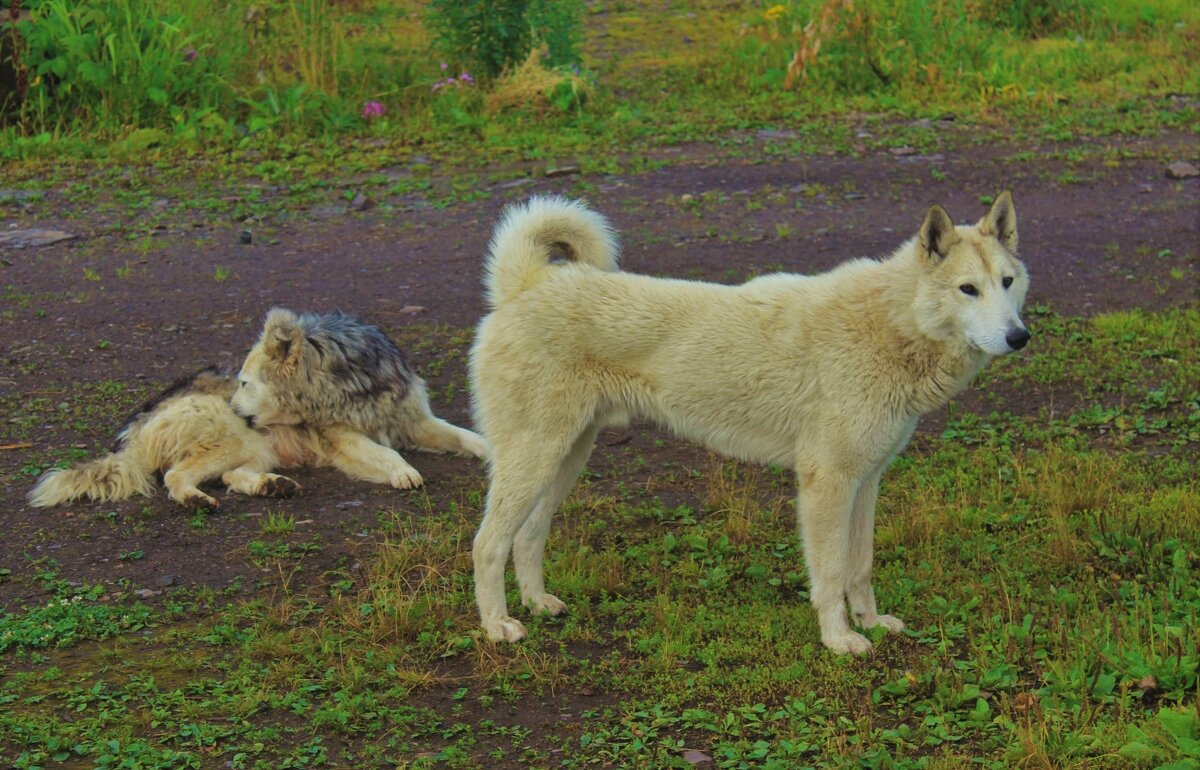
(1007, 281)
(969, 289)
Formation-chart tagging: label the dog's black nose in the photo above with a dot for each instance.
(1017, 338)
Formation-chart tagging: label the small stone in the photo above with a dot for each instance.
(23, 239)
(691, 756)
(361, 202)
(246, 237)
(687, 198)
(561, 171)
(146, 593)
(900, 152)
(1181, 169)
(164, 581)
(513, 183)
(411, 309)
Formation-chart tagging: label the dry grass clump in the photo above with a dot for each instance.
(537, 88)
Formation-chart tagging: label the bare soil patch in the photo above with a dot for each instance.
(92, 325)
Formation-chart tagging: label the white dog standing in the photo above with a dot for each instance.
(827, 374)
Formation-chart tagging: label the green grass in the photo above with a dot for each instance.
(292, 77)
(1048, 566)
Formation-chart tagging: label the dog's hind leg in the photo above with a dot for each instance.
(826, 499)
(859, 592)
(434, 434)
(523, 472)
(183, 478)
(529, 547)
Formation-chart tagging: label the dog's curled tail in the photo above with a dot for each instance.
(530, 234)
(112, 477)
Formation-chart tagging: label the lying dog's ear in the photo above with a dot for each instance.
(1001, 221)
(937, 234)
(282, 336)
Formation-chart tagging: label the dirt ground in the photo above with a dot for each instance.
(88, 327)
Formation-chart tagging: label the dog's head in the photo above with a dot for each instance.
(973, 285)
(275, 359)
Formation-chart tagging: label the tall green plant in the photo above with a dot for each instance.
(490, 36)
(112, 62)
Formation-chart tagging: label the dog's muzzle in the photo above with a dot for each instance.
(1017, 338)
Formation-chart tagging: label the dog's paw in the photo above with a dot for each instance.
(893, 624)
(479, 447)
(407, 478)
(546, 604)
(199, 501)
(504, 629)
(279, 486)
(846, 643)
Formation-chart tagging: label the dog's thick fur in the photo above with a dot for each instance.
(346, 378)
(316, 390)
(190, 435)
(826, 374)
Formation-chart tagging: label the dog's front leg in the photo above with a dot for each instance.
(359, 457)
(859, 592)
(825, 504)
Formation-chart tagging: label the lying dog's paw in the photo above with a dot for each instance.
(279, 486)
(479, 447)
(407, 478)
(504, 629)
(197, 502)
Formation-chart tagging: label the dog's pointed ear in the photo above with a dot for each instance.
(282, 336)
(937, 234)
(1001, 221)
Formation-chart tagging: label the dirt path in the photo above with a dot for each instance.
(89, 327)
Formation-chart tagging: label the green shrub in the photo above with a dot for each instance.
(488, 37)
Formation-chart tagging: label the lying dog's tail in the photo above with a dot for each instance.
(112, 477)
(527, 238)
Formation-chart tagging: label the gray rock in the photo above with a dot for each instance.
(551, 173)
(1181, 169)
(361, 202)
(146, 593)
(326, 212)
(165, 581)
(23, 239)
